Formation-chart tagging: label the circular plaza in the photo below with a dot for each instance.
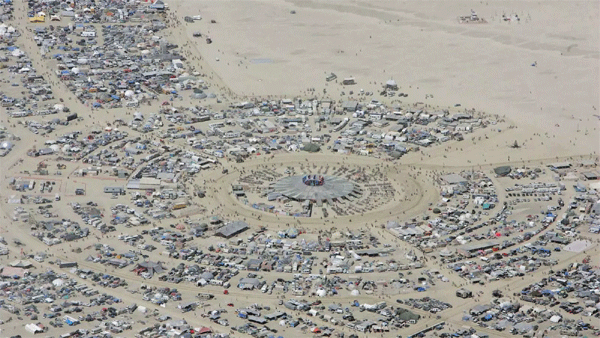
(315, 187)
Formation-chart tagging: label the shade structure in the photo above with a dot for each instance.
(330, 187)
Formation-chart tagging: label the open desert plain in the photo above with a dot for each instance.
(183, 168)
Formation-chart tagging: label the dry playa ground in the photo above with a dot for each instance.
(264, 50)
(260, 49)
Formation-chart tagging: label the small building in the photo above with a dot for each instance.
(254, 264)
(249, 283)
(349, 106)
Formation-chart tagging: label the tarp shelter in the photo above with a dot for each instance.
(395, 154)
(20, 264)
(232, 229)
(311, 147)
(503, 170)
(11, 272)
(152, 267)
(406, 315)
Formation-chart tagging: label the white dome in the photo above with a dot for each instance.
(321, 293)
(355, 292)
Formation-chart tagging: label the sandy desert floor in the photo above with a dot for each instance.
(260, 49)
(264, 50)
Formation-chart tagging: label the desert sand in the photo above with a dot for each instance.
(262, 50)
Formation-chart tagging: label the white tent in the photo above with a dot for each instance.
(129, 93)
(33, 329)
(355, 292)
(58, 282)
(321, 293)
(6, 145)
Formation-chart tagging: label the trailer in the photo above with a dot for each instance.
(64, 265)
(114, 190)
(205, 296)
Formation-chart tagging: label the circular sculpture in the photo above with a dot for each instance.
(314, 187)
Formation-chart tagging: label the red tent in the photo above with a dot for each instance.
(204, 330)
